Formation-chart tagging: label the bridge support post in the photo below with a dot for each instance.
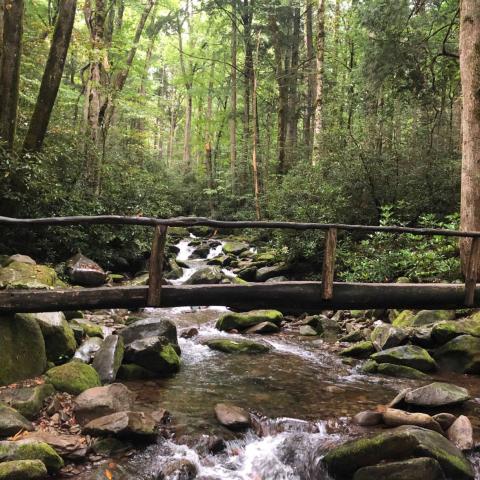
(155, 276)
(328, 269)
(472, 272)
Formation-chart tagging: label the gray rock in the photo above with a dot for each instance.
(308, 331)
(20, 259)
(386, 336)
(232, 416)
(445, 420)
(264, 327)
(393, 417)
(12, 422)
(151, 327)
(206, 276)
(368, 419)
(437, 395)
(460, 433)
(460, 355)
(23, 470)
(88, 349)
(28, 401)
(408, 356)
(108, 359)
(279, 279)
(182, 469)
(264, 273)
(84, 271)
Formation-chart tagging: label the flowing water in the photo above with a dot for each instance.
(301, 395)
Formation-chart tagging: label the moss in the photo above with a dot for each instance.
(234, 248)
(241, 346)
(23, 470)
(31, 450)
(359, 350)
(28, 401)
(400, 371)
(267, 257)
(242, 321)
(170, 356)
(73, 377)
(131, 371)
(427, 317)
(353, 337)
(408, 356)
(445, 331)
(370, 366)
(24, 275)
(89, 329)
(403, 319)
(462, 354)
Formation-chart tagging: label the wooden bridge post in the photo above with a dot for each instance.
(472, 272)
(155, 275)
(328, 269)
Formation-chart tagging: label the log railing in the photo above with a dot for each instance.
(154, 294)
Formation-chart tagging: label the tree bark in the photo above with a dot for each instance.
(256, 182)
(52, 76)
(233, 99)
(2, 3)
(308, 122)
(10, 69)
(470, 76)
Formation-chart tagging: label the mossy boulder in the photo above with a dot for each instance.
(386, 336)
(235, 248)
(73, 377)
(237, 346)
(462, 354)
(423, 317)
(400, 443)
(265, 273)
(28, 400)
(31, 450)
(12, 422)
(242, 321)
(267, 257)
(174, 270)
(25, 276)
(130, 371)
(359, 350)
(59, 338)
(437, 394)
(402, 319)
(22, 349)
(408, 356)
(400, 371)
(206, 276)
(23, 470)
(445, 331)
(89, 328)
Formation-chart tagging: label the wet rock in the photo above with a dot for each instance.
(248, 273)
(264, 327)
(445, 420)
(109, 446)
(130, 371)
(327, 327)
(73, 377)
(400, 371)
(22, 349)
(206, 276)
(414, 469)
(108, 359)
(12, 422)
(123, 425)
(242, 321)
(31, 450)
(84, 271)
(234, 248)
(221, 261)
(71, 447)
(60, 343)
(460, 433)
(359, 350)
(182, 469)
(393, 417)
(437, 395)
(237, 346)
(88, 349)
(443, 332)
(23, 470)
(264, 273)
(152, 327)
(402, 442)
(27, 401)
(161, 416)
(367, 419)
(232, 416)
(189, 332)
(100, 401)
(399, 398)
(27, 276)
(408, 356)
(307, 331)
(354, 336)
(386, 336)
(460, 354)
(175, 271)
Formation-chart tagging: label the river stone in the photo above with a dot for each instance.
(359, 350)
(100, 401)
(234, 248)
(130, 371)
(108, 359)
(175, 271)
(22, 470)
(402, 319)
(12, 422)
(151, 327)
(153, 353)
(462, 354)
(88, 349)
(27, 276)
(236, 346)
(437, 395)
(232, 416)
(367, 419)
(400, 371)
(182, 469)
(247, 273)
(73, 377)
(60, 343)
(445, 420)
(460, 433)
(28, 400)
(422, 337)
(126, 424)
(31, 450)
(408, 356)
(307, 331)
(398, 444)
(393, 417)
(354, 336)
(386, 336)
(265, 273)
(206, 276)
(85, 272)
(22, 349)
(19, 258)
(427, 317)
(445, 331)
(90, 329)
(242, 321)
(72, 447)
(414, 469)
(264, 327)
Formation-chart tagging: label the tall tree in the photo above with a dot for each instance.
(233, 99)
(470, 75)
(10, 69)
(52, 76)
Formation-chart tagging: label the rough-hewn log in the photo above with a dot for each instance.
(328, 269)
(155, 276)
(289, 297)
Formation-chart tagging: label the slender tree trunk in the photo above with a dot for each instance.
(256, 182)
(2, 3)
(320, 68)
(10, 69)
(233, 99)
(470, 75)
(308, 125)
(208, 144)
(119, 15)
(52, 76)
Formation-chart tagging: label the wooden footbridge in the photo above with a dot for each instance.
(289, 297)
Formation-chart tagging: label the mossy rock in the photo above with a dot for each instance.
(234, 346)
(402, 319)
(73, 377)
(354, 336)
(29, 400)
(89, 328)
(408, 356)
(443, 332)
(109, 445)
(23, 470)
(22, 349)
(359, 350)
(400, 371)
(462, 354)
(267, 257)
(427, 317)
(235, 248)
(131, 371)
(31, 450)
(242, 321)
(370, 366)
(27, 276)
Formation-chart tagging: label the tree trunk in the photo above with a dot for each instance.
(256, 183)
(308, 123)
(52, 76)
(233, 99)
(470, 75)
(2, 3)
(10, 69)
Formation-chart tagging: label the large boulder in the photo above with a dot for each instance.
(460, 433)
(265, 273)
(27, 400)
(85, 272)
(408, 356)
(73, 377)
(359, 350)
(443, 332)
(234, 248)
(100, 401)
(386, 336)
(12, 422)
(22, 349)
(242, 321)
(232, 416)
(206, 276)
(23, 470)
(31, 450)
(427, 317)
(60, 343)
(27, 276)
(399, 371)
(236, 346)
(108, 359)
(87, 350)
(437, 394)
(151, 327)
(462, 354)
(401, 443)
(68, 446)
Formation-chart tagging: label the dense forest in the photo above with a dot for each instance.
(304, 110)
